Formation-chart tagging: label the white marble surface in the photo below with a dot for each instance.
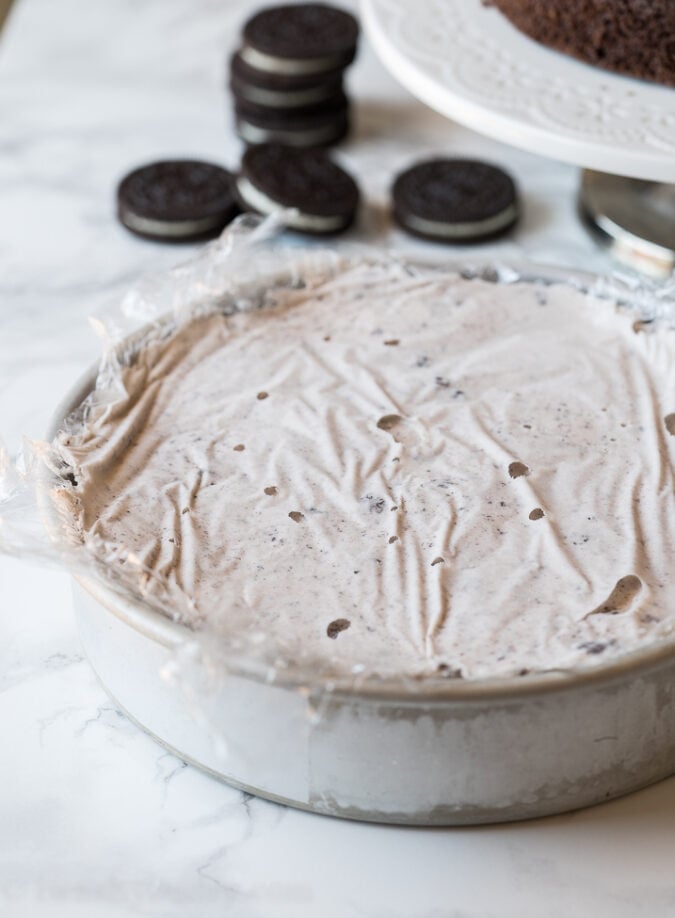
(95, 819)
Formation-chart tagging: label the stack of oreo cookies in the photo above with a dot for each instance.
(286, 77)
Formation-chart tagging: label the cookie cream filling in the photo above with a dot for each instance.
(284, 98)
(169, 228)
(293, 217)
(287, 66)
(400, 474)
(464, 230)
(254, 134)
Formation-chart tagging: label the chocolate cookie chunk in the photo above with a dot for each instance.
(274, 178)
(177, 200)
(314, 126)
(455, 200)
(257, 87)
(300, 38)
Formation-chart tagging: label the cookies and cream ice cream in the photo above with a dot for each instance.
(400, 473)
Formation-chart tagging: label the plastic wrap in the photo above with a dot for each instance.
(239, 272)
(232, 274)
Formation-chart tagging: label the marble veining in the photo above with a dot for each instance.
(96, 819)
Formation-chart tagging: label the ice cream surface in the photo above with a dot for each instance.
(400, 472)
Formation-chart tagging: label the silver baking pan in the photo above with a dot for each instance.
(427, 753)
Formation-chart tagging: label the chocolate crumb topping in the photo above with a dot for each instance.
(335, 627)
(389, 421)
(518, 469)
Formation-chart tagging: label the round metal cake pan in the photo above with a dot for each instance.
(457, 752)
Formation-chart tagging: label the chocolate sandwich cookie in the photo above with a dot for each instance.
(177, 200)
(256, 87)
(299, 39)
(314, 126)
(273, 178)
(455, 200)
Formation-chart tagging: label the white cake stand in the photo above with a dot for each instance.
(468, 62)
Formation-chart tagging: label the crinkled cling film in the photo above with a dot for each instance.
(236, 273)
(244, 270)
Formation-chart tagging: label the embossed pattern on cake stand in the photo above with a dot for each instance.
(468, 62)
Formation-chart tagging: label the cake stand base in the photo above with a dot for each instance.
(633, 218)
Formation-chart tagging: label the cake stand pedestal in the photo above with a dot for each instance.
(469, 63)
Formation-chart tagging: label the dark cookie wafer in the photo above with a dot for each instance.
(177, 200)
(300, 38)
(274, 178)
(455, 200)
(308, 127)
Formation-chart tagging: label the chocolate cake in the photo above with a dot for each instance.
(633, 37)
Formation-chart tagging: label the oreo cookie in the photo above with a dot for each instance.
(300, 39)
(177, 200)
(274, 178)
(315, 126)
(455, 200)
(256, 88)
